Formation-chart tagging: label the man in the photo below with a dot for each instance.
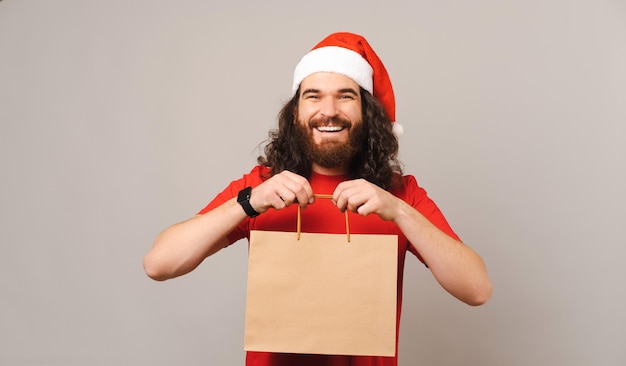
(336, 136)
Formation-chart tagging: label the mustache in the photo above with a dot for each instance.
(325, 121)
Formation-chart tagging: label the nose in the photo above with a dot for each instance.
(328, 107)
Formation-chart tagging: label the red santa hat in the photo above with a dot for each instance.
(350, 55)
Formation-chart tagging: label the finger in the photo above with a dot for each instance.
(285, 195)
(277, 203)
(348, 196)
(359, 196)
(300, 188)
(272, 194)
(357, 201)
(339, 198)
(364, 209)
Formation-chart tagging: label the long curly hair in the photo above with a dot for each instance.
(376, 162)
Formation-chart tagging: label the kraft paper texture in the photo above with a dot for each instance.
(321, 294)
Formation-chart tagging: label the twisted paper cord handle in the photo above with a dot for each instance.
(299, 223)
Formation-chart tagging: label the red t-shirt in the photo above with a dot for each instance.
(324, 217)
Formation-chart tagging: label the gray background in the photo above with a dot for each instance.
(120, 118)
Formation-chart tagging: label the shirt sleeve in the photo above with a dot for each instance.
(252, 179)
(418, 198)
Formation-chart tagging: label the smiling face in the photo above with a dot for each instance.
(330, 120)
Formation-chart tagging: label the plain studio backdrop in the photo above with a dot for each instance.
(120, 118)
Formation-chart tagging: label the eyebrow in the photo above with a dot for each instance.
(348, 90)
(340, 91)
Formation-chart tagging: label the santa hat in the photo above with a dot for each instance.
(350, 55)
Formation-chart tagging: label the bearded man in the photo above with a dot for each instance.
(336, 137)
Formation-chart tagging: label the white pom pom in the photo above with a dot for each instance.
(397, 129)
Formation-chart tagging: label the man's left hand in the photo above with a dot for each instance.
(365, 198)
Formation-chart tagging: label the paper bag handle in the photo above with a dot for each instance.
(299, 224)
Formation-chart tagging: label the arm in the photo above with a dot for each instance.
(183, 246)
(457, 268)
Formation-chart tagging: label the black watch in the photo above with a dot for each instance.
(244, 200)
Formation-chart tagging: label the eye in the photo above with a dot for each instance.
(346, 97)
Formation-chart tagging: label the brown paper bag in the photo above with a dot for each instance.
(321, 293)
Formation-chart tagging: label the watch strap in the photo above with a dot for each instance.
(243, 198)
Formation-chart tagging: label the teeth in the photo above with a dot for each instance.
(329, 128)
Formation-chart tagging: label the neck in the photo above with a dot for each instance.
(343, 170)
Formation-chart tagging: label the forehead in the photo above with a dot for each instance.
(328, 81)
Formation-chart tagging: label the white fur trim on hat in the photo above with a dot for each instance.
(334, 59)
(397, 129)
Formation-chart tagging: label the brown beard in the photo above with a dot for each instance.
(330, 154)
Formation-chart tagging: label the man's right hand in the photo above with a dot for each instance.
(280, 191)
